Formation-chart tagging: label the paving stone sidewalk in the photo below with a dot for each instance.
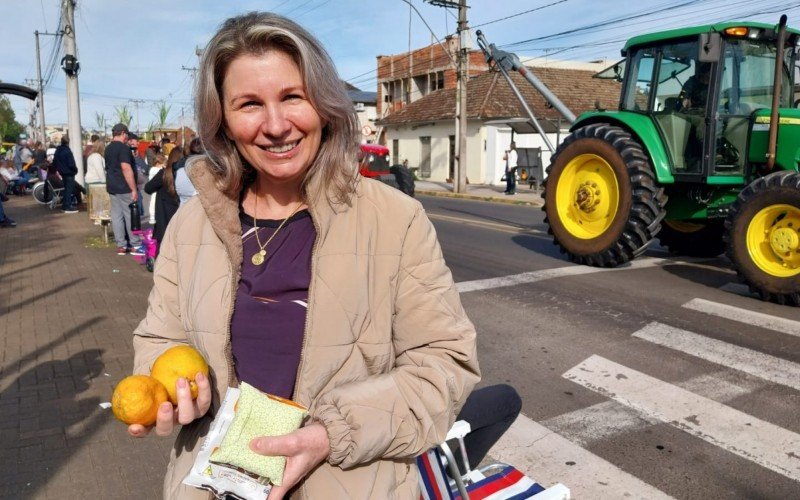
(68, 307)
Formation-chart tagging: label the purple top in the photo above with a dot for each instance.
(269, 316)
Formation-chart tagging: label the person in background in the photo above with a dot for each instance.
(158, 164)
(87, 150)
(40, 160)
(18, 181)
(121, 187)
(511, 169)
(283, 274)
(5, 220)
(167, 201)
(183, 184)
(65, 165)
(141, 170)
(96, 164)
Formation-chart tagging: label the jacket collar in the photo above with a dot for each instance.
(223, 210)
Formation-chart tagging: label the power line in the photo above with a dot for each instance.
(518, 14)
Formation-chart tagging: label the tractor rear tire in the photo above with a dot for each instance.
(602, 204)
(762, 233)
(404, 178)
(693, 239)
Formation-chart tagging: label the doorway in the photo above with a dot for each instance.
(425, 157)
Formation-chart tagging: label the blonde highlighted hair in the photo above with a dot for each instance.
(333, 171)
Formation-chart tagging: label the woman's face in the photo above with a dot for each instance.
(269, 116)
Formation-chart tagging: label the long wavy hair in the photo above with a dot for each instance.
(169, 174)
(333, 170)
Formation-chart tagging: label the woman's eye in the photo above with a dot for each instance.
(293, 97)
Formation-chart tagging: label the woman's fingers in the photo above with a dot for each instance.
(186, 410)
(138, 430)
(203, 401)
(165, 419)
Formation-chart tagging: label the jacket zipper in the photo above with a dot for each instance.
(308, 309)
(232, 381)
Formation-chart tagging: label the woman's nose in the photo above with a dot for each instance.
(275, 122)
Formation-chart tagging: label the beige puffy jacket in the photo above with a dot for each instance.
(388, 356)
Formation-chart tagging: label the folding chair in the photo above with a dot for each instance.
(496, 481)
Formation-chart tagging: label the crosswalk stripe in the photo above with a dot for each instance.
(762, 320)
(549, 459)
(766, 444)
(746, 360)
(546, 274)
(603, 421)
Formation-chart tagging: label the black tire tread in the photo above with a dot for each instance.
(783, 179)
(649, 199)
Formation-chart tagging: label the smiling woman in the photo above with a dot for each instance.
(285, 273)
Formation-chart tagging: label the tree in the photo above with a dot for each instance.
(10, 128)
(101, 120)
(163, 113)
(124, 114)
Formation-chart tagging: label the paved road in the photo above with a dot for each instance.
(662, 379)
(577, 342)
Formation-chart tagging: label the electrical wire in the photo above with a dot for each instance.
(518, 14)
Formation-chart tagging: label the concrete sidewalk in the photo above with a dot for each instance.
(485, 192)
(68, 306)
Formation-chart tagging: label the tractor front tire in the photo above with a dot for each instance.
(404, 179)
(762, 233)
(693, 239)
(602, 204)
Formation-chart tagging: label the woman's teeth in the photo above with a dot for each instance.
(282, 148)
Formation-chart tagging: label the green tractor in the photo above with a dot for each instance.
(702, 153)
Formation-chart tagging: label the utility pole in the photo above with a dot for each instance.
(136, 103)
(460, 186)
(462, 62)
(40, 89)
(71, 67)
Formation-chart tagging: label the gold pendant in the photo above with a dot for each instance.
(258, 257)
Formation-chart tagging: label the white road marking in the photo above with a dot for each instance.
(509, 227)
(549, 459)
(761, 442)
(559, 272)
(745, 316)
(777, 370)
(606, 420)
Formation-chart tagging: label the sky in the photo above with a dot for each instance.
(132, 52)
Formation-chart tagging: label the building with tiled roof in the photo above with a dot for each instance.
(423, 131)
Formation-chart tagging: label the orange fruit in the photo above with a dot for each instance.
(136, 399)
(176, 362)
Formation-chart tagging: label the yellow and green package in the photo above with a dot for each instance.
(258, 414)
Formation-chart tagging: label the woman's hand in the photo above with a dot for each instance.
(304, 449)
(186, 411)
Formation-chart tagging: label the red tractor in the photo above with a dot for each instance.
(373, 162)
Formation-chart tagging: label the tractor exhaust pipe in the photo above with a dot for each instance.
(776, 96)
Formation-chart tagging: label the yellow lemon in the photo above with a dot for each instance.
(176, 362)
(136, 399)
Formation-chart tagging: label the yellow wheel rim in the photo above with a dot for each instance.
(773, 240)
(587, 196)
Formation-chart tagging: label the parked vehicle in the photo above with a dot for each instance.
(706, 177)
(373, 162)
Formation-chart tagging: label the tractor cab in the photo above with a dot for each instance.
(373, 160)
(706, 90)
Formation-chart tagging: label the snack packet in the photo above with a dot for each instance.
(258, 414)
(221, 480)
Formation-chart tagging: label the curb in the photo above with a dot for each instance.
(507, 201)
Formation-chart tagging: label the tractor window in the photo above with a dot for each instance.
(746, 83)
(678, 65)
(638, 89)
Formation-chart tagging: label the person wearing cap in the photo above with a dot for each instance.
(121, 187)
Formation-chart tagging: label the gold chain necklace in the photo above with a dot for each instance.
(259, 257)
